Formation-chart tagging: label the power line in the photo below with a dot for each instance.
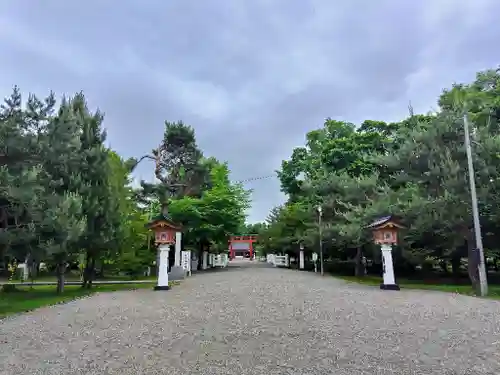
(256, 178)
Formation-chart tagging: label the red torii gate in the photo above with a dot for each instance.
(242, 242)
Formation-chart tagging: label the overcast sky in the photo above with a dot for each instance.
(251, 76)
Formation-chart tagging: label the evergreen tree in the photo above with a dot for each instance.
(22, 193)
(64, 220)
(179, 166)
(97, 196)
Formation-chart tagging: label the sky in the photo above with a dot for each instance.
(251, 76)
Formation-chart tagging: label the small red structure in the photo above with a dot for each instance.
(164, 229)
(385, 230)
(242, 242)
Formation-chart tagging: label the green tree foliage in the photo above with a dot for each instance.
(128, 250)
(179, 166)
(65, 196)
(219, 212)
(197, 190)
(337, 147)
(415, 168)
(22, 193)
(62, 158)
(98, 201)
(43, 194)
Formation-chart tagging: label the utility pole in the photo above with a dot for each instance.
(320, 214)
(483, 282)
(151, 214)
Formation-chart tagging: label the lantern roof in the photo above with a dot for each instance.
(162, 220)
(385, 222)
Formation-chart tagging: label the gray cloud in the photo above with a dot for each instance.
(251, 77)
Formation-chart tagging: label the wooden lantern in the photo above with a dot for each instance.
(164, 229)
(385, 230)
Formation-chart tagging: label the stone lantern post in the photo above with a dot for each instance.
(385, 233)
(166, 233)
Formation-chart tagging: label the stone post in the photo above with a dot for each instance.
(301, 259)
(204, 264)
(186, 262)
(163, 268)
(178, 241)
(389, 282)
(177, 272)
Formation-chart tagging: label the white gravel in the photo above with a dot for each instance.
(257, 320)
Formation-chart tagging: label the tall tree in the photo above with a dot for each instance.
(178, 166)
(22, 193)
(97, 197)
(65, 221)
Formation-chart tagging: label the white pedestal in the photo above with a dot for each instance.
(389, 282)
(301, 259)
(178, 241)
(163, 268)
(204, 264)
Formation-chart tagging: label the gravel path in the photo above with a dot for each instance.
(257, 321)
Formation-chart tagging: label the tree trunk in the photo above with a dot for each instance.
(61, 268)
(472, 262)
(164, 209)
(91, 273)
(455, 264)
(33, 269)
(88, 272)
(200, 256)
(444, 266)
(359, 269)
(101, 273)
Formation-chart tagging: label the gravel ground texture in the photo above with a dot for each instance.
(257, 320)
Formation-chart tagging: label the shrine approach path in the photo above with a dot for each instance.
(252, 319)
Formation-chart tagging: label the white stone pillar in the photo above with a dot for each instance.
(301, 259)
(287, 260)
(23, 267)
(204, 264)
(178, 241)
(186, 261)
(389, 282)
(163, 268)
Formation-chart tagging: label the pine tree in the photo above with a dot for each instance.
(97, 197)
(179, 166)
(64, 220)
(22, 194)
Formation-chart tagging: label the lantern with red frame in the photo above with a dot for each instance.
(164, 229)
(385, 230)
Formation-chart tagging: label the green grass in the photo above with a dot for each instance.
(493, 290)
(27, 298)
(75, 277)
